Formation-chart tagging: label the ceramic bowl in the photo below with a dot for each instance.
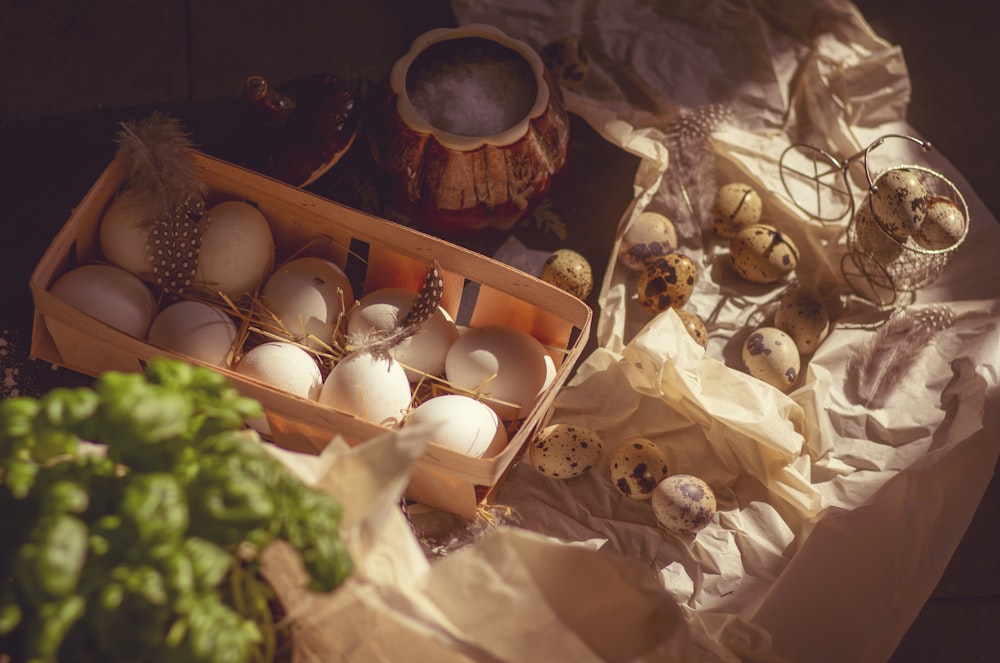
(470, 130)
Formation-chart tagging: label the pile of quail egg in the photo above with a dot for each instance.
(760, 253)
(682, 503)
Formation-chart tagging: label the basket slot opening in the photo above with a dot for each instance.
(470, 295)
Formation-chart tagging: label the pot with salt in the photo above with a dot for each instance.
(470, 132)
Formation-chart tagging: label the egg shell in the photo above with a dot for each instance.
(651, 235)
(637, 466)
(873, 240)
(284, 366)
(761, 253)
(462, 423)
(564, 451)
(667, 282)
(944, 224)
(683, 504)
(124, 237)
(237, 250)
(502, 363)
(369, 387)
(802, 316)
(109, 294)
(567, 61)
(569, 271)
(900, 201)
(420, 354)
(736, 206)
(308, 295)
(694, 326)
(195, 329)
(770, 355)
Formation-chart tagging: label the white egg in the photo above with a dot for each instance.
(505, 364)
(369, 387)
(683, 504)
(462, 423)
(195, 329)
(900, 201)
(651, 235)
(770, 355)
(111, 295)
(237, 250)
(308, 295)
(736, 206)
(637, 466)
(564, 451)
(803, 317)
(124, 239)
(425, 351)
(284, 366)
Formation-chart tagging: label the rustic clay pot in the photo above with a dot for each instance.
(449, 174)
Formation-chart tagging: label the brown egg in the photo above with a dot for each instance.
(762, 254)
(667, 282)
(694, 326)
(568, 270)
(637, 466)
(564, 451)
(736, 206)
(943, 225)
(803, 317)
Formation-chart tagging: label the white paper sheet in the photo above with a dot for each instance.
(835, 522)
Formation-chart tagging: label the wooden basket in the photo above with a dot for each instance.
(305, 224)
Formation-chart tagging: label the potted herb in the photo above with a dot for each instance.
(144, 547)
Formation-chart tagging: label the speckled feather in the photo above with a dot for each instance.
(163, 182)
(427, 302)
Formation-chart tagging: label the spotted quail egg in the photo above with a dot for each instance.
(567, 61)
(568, 270)
(736, 206)
(667, 282)
(763, 254)
(900, 201)
(943, 225)
(694, 326)
(683, 504)
(651, 235)
(771, 355)
(564, 451)
(637, 465)
(803, 317)
(873, 239)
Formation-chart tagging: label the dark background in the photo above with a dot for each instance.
(70, 71)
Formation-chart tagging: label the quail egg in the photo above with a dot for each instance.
(943, 225)
(900, 201)
(567, 61)
(694, 326)
(771, 355)
(637, 466)
(650, 236)
(683, 504)
(736, 206)
(803, 317)
(667, 282)
(873, 240)
(568, 270)
(763, 254)
(564, 451)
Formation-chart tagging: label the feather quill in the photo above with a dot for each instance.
(164, 188)
(886, 357)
